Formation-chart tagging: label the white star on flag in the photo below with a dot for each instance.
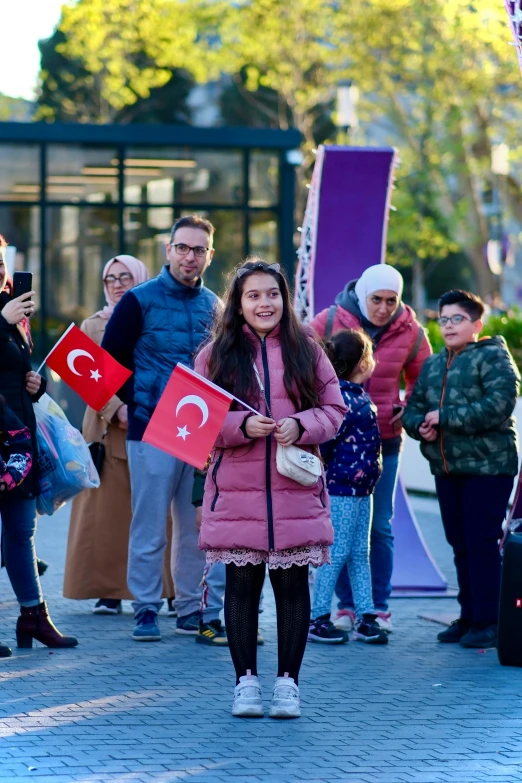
(183, 432)
(95, 375)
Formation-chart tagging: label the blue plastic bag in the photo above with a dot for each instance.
(65, 465)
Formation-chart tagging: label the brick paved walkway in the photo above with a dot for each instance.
(114, 710)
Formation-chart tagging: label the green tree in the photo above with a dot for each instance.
(69, 92)
(440, 73)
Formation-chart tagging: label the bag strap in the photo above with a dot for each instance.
(262, 388)
(332, 310)
(416, 346)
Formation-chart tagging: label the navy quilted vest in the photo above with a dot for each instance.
(177, 319)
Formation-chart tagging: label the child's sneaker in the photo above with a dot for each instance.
(247, 698)
(324, 631)
(384, 621)
(285, 701)
(367, 630)
(345, 619)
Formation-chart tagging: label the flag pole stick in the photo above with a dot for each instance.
(64, 335)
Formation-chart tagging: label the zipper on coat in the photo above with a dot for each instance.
(214, 479)
(268, 453)
(190, 328)
(444, 380)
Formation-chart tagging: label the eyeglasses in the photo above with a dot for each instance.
(124, 279)
(260, 266)
(453, 319)
(182, 250)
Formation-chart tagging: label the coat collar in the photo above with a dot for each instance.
(177, 288)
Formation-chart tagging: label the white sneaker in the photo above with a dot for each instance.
(345, 619)
(247, 698)
(384, 621)
(285, 701)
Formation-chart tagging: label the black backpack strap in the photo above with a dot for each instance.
(332, 310)
(416, 346)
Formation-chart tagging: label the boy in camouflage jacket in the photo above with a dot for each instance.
(461, 411)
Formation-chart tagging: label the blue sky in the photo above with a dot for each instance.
(24, 22)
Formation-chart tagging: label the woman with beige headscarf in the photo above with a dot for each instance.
(96, 563)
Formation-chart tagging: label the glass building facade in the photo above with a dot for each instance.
(73, 196)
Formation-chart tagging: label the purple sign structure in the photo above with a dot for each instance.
(344, 232)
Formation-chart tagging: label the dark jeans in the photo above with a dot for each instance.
(381, 541)
(473, 509)
(18, 529)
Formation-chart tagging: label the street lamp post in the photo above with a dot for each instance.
(495, 249)
(346, 110)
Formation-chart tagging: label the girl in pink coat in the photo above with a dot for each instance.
(252, 515)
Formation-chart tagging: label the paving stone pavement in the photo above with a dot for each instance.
(114, 710)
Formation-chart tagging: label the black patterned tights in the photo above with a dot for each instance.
(292, 597)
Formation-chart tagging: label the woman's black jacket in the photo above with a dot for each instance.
(15, 363)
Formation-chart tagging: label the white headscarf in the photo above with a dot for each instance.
(381, 277)
(139, 273)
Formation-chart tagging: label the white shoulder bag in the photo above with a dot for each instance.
(291, 461)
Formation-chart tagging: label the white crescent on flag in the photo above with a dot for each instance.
(193, 399)
(73, 355)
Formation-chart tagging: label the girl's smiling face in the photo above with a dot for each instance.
(261, 302)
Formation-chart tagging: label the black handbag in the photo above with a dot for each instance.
(97, 450)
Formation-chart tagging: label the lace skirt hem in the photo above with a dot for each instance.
(286, 558)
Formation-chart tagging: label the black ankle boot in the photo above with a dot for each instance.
(5, 651)
(34, 623)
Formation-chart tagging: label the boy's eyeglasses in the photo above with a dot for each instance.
(124, 279)
(182, 250)
(453, 319)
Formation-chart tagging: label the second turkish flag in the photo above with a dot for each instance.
(188, 417)
(87, 368)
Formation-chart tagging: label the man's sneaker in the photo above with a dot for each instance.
(247, 698)
(188, 624)
(384, 621)
(107, 606)
(345, 619)
(147, 628)
(480, 637)
(324, 631)
(285, 701)
(455, 632)
(171, 609)
(367, 630)
(212, 633)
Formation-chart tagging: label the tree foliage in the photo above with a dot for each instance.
(437, 79)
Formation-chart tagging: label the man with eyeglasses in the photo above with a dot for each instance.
(153, 327)
(461, 410)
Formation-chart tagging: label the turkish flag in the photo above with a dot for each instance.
(87, 368)
(188, 417)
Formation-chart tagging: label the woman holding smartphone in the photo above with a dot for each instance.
(21, 387)
(374, 304)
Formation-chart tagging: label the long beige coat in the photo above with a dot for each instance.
(97, 549)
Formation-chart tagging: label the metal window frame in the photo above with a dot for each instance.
(242, 140)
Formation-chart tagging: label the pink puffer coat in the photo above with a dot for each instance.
(247, 503)
(391, 355)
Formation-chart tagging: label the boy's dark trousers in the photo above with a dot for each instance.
(473, 509)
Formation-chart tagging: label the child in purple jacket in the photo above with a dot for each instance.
(353, 467)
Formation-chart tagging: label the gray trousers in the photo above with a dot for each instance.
(158, 481)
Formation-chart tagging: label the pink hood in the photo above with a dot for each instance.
(245, 496)
(391, 355)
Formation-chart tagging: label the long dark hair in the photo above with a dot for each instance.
(232, 354)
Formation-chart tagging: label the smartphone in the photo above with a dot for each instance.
(22, 283)
(396, 409)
